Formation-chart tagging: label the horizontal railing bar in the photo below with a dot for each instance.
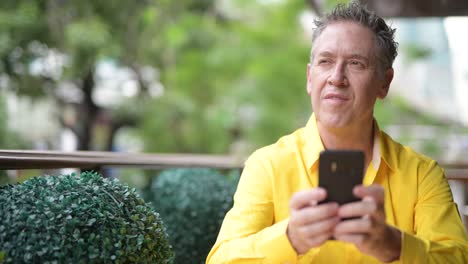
(456, 174)
(25, 159)
(50, 159)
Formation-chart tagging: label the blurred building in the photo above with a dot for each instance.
(432, 76)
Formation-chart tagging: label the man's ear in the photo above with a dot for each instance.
(387, 80)
(309, 87)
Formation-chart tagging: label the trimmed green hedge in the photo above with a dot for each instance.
(79, 219)
(192, 203)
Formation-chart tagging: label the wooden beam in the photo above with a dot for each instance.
(407, 8)
(30, 159)
(418, 8)
(25, 159)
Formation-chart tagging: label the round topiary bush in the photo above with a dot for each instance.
(79, 219)
(192, 203)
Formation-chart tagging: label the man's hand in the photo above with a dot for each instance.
(310, 225)
(369, 232)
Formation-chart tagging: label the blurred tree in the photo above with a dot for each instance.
(241, 77)
(233, 82)
(53, 48)
(4, 133)
(34, 31)
(8, 139)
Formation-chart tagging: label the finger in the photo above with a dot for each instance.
(318, 240)
(356, 239)
(313, 214)
(302, 199)
(375, 191)
(356, 226)
(358, 209)
(319, 228)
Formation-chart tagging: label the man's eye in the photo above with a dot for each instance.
(323, 61)
(355, 63)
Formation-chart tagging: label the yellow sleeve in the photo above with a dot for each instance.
(439, 235)
(248, 233)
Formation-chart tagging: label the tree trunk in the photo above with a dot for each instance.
(88, 113)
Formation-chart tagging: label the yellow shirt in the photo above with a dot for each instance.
(418, 201)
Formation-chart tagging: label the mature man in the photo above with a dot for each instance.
(405, 213)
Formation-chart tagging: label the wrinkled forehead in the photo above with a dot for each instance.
(345, 38)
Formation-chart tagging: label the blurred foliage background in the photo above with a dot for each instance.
(211, 76)
(203, 75)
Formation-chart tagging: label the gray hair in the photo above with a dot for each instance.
(355, 12)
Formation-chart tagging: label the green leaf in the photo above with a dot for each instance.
(91, 221)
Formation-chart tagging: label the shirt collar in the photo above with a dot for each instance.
(313, 145)
(376, 157)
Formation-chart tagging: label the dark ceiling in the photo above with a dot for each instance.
(409, 8)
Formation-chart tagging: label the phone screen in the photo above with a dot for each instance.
(339, 172)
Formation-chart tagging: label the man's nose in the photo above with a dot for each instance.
(338, 76)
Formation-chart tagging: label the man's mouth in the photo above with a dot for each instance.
(336, 97)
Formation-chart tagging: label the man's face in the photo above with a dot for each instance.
(343, 79)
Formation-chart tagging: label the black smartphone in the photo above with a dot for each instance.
(339, 172)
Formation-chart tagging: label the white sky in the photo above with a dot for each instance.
(457, 33)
